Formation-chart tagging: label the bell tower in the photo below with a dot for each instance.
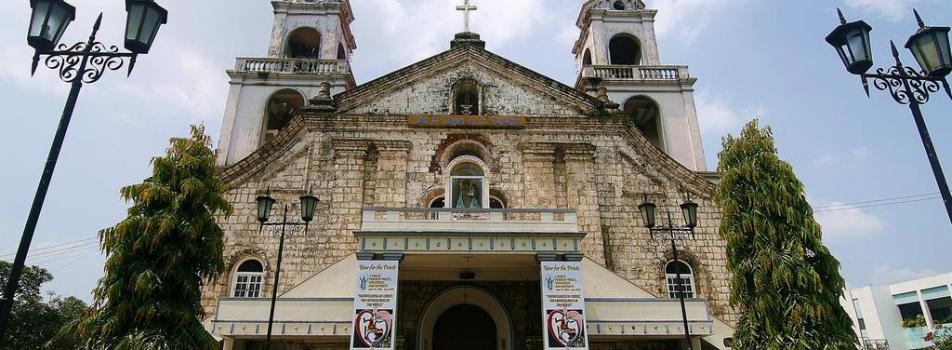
(318, 29)
(311, 43)
(617, 57)
(625, 25)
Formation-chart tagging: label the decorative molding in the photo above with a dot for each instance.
(370, 91)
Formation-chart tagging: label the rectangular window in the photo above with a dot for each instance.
(941, 310)
(910, 311)
(248, 285)
(467, 192)
(687, 285)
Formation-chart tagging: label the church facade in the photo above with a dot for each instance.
(466, 202)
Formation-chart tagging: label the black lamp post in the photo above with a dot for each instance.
(265, 203)
(673, 232)
(930, 46)
(81, 63)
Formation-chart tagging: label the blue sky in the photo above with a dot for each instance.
(752, 58)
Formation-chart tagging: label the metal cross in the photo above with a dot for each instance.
(466, 8)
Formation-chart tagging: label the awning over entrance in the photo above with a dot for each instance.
(323, 305)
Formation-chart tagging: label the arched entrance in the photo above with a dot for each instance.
(464, 327)
(463, 306)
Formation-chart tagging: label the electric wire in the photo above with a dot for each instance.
(57, 259)
(935, 194)
(54, 250)
(878, 202)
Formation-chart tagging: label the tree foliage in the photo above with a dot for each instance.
(784, 282)
(160, 255)
(942, 338)
(34, 322)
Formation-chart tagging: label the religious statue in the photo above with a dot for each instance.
(469, 197)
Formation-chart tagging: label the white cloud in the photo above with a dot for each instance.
(861, 152)
(893, 10)
(16, 70)
(833, 158)
(823, 160)
(842, 220)
(196, 86)
(410, 31)
(718, 117)
(887, 274)
(686, 18)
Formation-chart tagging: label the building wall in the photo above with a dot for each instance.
(325, 16)
(881, 313)
(608, 168)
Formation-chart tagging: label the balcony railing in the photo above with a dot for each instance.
(874, 344)
(636, 73)
(470, 221)
(291, 65)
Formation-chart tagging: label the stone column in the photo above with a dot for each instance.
(583, 197)
(346, 199)
(391, 176)
(539, 177)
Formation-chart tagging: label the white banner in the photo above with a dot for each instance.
(563, 305)
(375, 305)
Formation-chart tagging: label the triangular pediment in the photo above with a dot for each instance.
(506, 88)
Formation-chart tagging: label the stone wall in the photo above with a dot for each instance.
(601, 167)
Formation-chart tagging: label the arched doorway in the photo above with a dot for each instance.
(304, 43)
(646, 115)
(464, 327)
(624, 50)
(459, 301)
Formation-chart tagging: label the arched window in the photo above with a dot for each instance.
(646, 115)
(280, 110)
(587, 58)
(304, 43)
(467, 184)
(248, 280)
(624, 50)
(496, 203)
(671, 271)
(437, 203)
(341, 53)
(497, 199)
(466, 98)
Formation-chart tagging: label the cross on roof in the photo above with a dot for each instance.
(466, 8)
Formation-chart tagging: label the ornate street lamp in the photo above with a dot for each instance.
(673, 232)
(689, 210)
(851, 41)
(647, 210)
(145, 17)
(81, 63)
(930, 46)
(48, 22)
(265, 203)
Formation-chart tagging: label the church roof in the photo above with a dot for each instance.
(454, 57)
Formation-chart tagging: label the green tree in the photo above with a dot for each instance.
(34, 321)
(160, 255)
(785, 283)
(942, 338)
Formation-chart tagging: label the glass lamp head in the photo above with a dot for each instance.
(851, 41)
(930, 46)
(142, 24)
(48, 22)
